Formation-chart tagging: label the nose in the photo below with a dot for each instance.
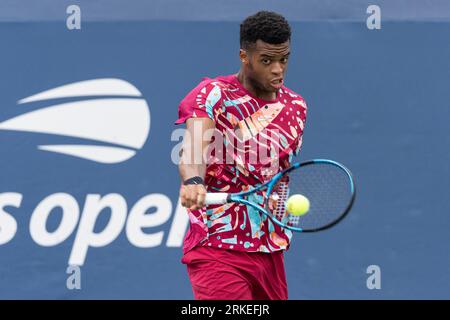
(277, 68)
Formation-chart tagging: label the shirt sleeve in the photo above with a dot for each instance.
(201, 102)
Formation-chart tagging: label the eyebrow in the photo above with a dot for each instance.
(265, 55)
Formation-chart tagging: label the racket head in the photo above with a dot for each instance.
(329, 187)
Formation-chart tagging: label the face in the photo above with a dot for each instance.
(266, 65)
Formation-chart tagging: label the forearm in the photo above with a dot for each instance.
(195, 143)
(192, 170)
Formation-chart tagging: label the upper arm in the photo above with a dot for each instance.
(196, 140)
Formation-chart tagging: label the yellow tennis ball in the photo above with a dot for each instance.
(297, 205)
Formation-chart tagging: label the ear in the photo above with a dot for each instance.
(243, 56)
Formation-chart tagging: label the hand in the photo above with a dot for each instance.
(193, 196)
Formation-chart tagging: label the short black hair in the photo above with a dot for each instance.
(267, 26)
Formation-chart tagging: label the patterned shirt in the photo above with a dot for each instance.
(254, 139)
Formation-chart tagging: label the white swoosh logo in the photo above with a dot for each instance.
(96, 87)
(124, 122)
(100, 154)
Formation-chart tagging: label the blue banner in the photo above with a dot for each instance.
(87, 176)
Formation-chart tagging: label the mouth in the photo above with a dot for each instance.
(277, 83)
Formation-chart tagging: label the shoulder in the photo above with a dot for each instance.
(202, 101)
(207, 93)
(294, 98)
(208, 85)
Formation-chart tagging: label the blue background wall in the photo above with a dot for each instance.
(378, 102)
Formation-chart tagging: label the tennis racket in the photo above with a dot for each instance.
(329, 186)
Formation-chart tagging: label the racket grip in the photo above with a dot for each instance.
(216, 198)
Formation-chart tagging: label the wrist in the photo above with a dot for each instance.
(194, 180)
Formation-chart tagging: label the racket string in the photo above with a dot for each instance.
(280, 212)
(327, 189)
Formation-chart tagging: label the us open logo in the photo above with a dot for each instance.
(106, 121)
(113, 119)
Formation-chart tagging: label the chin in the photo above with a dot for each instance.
(271, 89)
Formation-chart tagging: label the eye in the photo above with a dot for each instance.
(266, 107)
(266, 61)
(284, 60)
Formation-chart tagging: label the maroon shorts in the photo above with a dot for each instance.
(220, 274)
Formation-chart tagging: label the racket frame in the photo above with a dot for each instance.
(240, 197)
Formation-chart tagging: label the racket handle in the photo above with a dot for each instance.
(216, 198)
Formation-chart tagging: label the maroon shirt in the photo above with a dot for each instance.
(254, 140)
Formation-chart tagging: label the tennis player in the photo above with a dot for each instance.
(249, 125)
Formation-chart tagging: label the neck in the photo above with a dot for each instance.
(249, 86)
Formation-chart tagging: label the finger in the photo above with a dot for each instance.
(194, 205)
(195, 194)
(201, 196)
(191, 197)
(183, 196)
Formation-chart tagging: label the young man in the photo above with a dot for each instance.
(231, 251)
